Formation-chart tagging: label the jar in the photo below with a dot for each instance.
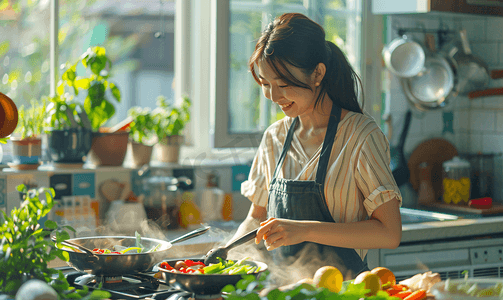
(163, 203)
(456, 181)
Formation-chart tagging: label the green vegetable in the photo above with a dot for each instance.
(138, 241)
(25, 248)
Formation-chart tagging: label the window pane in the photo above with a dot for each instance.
(138, 37)
(249, 111)
(24, 50)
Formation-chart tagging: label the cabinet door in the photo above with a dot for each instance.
(479, 7)
(62, 185)
(84, 185)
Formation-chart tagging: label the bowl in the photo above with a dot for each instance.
(438, 289)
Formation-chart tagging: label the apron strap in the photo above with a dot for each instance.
(326, 150)
(286, 146)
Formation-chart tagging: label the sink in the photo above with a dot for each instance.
(410, 216)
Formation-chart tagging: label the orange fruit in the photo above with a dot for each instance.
(372, 282)
(385, 275)
(328, 277)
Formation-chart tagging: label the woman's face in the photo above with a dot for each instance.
(293, 100)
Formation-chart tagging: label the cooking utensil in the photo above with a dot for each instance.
(204, 284)
(404, 57)
(434, 85)
(434, 152)
(213, 254)
(120, 264)
(75, 246)
(8, 116)
(86, 123)
(398, 162)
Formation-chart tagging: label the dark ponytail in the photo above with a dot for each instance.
(341, 82)
(296, 40)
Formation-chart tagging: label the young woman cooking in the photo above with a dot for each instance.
(321, 174)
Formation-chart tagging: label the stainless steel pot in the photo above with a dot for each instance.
(404, 57)
(434, 85)
(120, 264)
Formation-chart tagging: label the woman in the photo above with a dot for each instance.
(321, 175)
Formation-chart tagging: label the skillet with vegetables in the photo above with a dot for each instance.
(229, 267)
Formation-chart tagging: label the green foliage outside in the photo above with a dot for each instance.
(25, 247)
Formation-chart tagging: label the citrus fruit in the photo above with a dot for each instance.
(372, 282)
(328, 277)
(385, 275)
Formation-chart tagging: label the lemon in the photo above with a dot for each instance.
(372, 282)
(328, 277)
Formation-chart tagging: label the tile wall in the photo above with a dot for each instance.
(478, 123)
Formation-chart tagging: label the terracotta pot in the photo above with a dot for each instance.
(26, 151)
(108, 149)
(169, 149)
(141, 154)
(70, 145)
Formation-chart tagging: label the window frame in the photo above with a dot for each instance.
(220, 137)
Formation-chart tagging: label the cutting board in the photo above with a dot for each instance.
(495, 209)
(434, 152)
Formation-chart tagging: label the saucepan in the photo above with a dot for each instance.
(434, 85)
(204, 284)
(83, 259)
(404, 57)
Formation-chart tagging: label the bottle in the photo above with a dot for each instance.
(212, 200)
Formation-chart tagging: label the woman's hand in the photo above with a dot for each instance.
(280, 232)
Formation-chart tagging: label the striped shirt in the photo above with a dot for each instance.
(358, 177)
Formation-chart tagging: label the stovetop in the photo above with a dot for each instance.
(143, 285)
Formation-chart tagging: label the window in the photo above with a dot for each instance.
(242, 112)
(138, 37)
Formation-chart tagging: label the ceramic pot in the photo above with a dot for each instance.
(70, 145)
(141, 154)
(108, 149)
(26, 151)
(169, 149)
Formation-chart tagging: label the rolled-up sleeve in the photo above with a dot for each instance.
(373, 174)
(255, 187)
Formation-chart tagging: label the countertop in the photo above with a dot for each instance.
(466, 225)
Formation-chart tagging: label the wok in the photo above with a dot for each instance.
(120, 264)
(202, 284)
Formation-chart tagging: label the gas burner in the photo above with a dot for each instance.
(132, 286)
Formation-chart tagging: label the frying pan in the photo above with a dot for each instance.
(120, 264)
(488, 92)
(202, 284)
(404, 57)
(398, 162)
(434, 85)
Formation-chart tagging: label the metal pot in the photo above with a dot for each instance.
(404, 57)
(120, 264)
(434, 85)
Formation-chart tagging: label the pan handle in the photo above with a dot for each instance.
(496, 74)
(190, 235)
(483, 93)
(75, 246)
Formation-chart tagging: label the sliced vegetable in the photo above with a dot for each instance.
(417, 295)
(138, 250)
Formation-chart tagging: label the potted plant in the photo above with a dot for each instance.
(27, 140)
(170, 120)
(108, 148)
(25, 251)
(70, 136)
(142, 135)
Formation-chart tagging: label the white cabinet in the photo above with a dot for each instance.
(478, 7)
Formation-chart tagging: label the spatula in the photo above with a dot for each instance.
(212, 256)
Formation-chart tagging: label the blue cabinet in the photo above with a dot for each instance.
(84, 185)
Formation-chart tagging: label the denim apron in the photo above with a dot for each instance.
(305, 200)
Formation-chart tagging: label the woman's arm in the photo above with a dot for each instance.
(383, 230)
(256, 215)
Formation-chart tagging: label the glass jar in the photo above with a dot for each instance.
(456, 181)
